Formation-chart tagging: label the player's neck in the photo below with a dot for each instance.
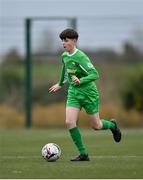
(72, 52)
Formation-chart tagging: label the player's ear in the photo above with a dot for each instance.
(75, 40)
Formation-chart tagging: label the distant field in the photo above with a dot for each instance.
(20, 155)
(42, 70)
(38, 70)
(109, 74)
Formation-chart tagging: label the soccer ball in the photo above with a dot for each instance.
(51, 152)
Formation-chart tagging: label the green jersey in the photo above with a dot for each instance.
(84, 94)
(79, 65)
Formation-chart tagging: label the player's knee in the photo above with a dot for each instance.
(96, 126)
(70, 124)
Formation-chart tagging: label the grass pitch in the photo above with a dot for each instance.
(20, 155)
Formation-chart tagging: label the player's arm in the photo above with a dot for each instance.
(58, 86)
(62, 77)
(91, 74)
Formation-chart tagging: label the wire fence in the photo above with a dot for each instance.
(95, 32)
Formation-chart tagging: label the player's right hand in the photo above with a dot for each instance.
(54, 88)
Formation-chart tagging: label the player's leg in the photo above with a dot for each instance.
(99, 124)
(92, 108)
(72, 114)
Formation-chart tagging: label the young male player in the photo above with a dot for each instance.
(82, 92)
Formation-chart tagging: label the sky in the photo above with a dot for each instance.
(22, 8)
(100, 23)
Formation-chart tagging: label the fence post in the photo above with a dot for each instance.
(28, 99)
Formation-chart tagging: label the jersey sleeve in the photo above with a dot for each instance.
(91, 74)
(62, 76)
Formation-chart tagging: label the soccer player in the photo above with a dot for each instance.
(82, 92)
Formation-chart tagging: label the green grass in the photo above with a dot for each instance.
(38, 70)
(20, 155)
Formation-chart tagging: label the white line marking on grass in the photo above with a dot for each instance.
(115, 157)
(20, 157)
(96, 157)
(17, 172)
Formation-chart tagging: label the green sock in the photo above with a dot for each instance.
(107, 124)
(77, 139)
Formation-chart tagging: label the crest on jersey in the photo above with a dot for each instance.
(71, 71)
(73, 63)
(90, 65)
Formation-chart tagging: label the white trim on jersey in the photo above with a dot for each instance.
(72, 53)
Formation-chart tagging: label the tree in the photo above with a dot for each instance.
(131, 53)
(132, 91)
(12, 57)
(137, 38)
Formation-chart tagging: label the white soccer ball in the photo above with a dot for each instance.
(51, 152)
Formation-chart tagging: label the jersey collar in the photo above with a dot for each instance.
(73, 52)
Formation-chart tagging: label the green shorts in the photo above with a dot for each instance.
(86, 97)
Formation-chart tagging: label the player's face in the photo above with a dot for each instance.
(69, 44)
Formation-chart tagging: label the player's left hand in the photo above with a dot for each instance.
(75, 80)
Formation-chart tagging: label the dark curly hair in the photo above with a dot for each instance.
(68, 33)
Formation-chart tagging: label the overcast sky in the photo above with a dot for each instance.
(22, 8)
(100, 22)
